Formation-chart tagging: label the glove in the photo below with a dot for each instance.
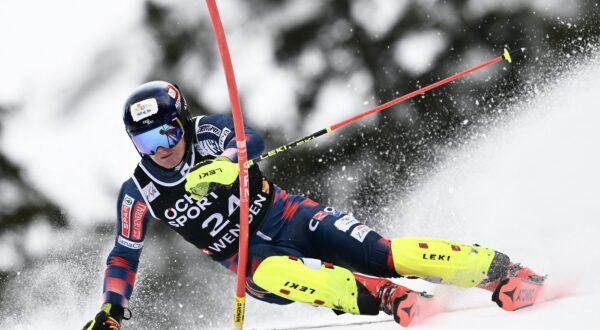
(204, 175)
(109, 318)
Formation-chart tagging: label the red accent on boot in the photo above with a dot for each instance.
(526, 273)
(490, 286)
(383, 290)
(514, 270)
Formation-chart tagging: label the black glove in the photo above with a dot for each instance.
(109, 318)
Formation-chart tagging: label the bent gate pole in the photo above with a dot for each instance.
(240, 136)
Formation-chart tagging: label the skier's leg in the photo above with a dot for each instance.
(320, 283)
(345, 241)
(342, 240)
(257, 253)
(292, 224)
(449, 262)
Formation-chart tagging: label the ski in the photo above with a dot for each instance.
(415, 306)
(515, 293)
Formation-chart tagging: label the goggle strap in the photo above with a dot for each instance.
(180, 125)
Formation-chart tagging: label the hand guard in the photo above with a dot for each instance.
(109, 318)
(220, 170)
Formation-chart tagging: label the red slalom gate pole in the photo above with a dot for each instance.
(240, 136)
(505, 56)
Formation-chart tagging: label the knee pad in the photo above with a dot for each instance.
(309, 281)
(442, 261)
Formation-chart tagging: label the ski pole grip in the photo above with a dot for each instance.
(516, 53)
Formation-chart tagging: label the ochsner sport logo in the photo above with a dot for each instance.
(187, 208)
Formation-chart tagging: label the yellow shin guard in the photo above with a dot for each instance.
(309, 281)
(438, 260)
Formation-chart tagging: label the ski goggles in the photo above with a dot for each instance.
(166, 136)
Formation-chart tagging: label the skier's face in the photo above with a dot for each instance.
(169, 157)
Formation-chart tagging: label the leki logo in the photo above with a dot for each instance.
(433, 256)
(210, 173)
(299, 287)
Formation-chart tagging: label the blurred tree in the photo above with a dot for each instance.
(21, 205)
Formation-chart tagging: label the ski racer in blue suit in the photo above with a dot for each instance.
(299, 250)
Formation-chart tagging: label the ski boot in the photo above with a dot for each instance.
(517, 289)
(394, 299)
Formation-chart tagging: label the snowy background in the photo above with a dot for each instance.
(524, 183)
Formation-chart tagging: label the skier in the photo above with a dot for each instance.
(299, 250)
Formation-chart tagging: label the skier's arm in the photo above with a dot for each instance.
(122, 262)
(216, 136)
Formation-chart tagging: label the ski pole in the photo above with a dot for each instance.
(240, 293)
(506, 55)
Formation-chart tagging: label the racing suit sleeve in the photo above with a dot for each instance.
(216, 137)
(122, 262)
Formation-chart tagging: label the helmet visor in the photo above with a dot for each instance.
(166, 136)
